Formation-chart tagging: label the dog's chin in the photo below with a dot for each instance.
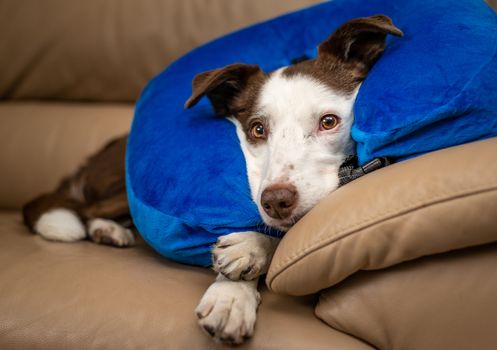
(282, 225)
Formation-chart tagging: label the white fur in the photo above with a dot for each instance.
(60, 225)
(227, 311)
(243, 255)
(297, 152)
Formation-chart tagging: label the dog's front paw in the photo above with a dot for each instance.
(227, 311)
(243, 255)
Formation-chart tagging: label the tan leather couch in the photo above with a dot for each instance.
(400, 259)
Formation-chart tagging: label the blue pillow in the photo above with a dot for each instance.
(436, 87)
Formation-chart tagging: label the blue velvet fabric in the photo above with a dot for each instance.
(434, 88)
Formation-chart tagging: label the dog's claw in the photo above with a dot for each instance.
(210, 330)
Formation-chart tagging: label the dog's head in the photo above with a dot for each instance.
(294, 123)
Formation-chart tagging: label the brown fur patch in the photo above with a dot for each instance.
(244, 106)
(345, 58)
(224, 85)
(96, 190)
(232, 90)
(333, 73)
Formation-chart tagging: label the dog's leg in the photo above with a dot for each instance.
(243, 255)
(109, 232)
(103, 230)
(227, 311)
(107, 208)
(54, 217)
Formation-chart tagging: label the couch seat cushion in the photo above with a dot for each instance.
(84, 296)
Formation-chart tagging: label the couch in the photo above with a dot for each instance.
(403, 258)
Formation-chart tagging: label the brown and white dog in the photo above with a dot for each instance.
(294, 130)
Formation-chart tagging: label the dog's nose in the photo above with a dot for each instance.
(279, 201)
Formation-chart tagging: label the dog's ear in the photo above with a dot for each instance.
(358, 43)
(222, 85)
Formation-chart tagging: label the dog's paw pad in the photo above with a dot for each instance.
(109, 232)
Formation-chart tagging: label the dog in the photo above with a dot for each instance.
(294, 128)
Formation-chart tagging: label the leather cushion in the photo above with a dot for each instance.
(430, 204)
(42, 142)
(446, 301)
(106, 50)
(85, 296)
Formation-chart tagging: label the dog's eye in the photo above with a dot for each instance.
(258, 131)
(328, 122)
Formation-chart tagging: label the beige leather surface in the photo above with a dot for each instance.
(439, 302)
(431, 204)
(84, 296)
(42, 142)
(107, 50)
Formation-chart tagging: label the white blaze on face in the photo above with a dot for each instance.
(297, 152)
